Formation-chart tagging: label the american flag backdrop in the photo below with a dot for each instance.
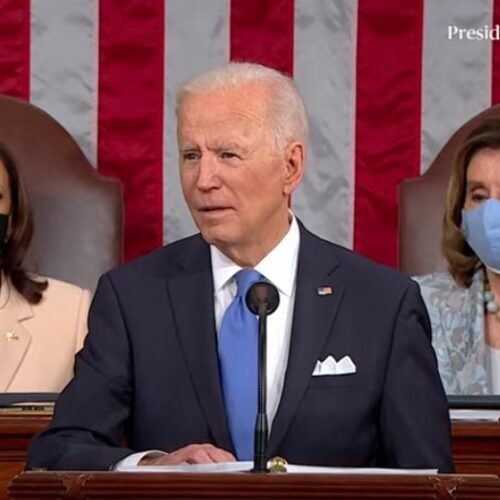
(383, 83)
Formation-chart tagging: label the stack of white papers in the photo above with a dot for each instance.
(247, 466)
(479, 414)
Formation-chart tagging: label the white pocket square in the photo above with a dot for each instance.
(331, 367)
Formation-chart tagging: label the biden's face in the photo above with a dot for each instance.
(235, 180)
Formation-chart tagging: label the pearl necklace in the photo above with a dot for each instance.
(490, 305)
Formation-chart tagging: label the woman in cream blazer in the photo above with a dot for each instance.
(42, 321)
(38, 341)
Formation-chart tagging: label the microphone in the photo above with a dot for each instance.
(262, 299)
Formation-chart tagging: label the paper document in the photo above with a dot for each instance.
(463, 414)
(290, 468)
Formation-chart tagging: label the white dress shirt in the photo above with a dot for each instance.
(279, 267)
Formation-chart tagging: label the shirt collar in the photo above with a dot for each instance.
(278, 266)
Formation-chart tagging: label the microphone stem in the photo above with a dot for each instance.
(261, 425)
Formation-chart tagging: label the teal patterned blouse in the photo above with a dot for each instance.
(457, 318)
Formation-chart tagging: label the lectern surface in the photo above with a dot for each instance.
(82, 485)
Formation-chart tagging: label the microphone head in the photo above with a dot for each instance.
(262, 298)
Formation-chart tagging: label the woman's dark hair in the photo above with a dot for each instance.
(19, 239)
(462, 260)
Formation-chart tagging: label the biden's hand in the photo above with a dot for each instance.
(192, 454)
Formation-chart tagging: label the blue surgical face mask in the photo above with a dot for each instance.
(481, 228)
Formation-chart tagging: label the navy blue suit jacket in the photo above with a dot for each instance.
(148, 374)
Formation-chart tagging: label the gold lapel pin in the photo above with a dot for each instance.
(11, 335)
(325, 290)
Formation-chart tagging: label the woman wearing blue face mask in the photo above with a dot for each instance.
(42, 320)
(464, 303)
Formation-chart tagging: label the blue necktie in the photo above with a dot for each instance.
(238, 365)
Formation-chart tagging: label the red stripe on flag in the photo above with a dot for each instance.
(388, 119)
(262, 32)
(130, 118)
(15, 48)
(495, 55)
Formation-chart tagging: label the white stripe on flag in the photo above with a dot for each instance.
(325, 57)
(196, 39)
(64, 66)
(456, 73)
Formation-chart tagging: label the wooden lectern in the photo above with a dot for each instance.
(83, 485)
(15, 434)
(476, 448)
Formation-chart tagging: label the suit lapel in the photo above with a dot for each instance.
(14, 337)
(189, 290)
(314, 313)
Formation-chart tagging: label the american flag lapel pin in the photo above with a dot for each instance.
(324, 290)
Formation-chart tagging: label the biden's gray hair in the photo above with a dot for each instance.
(288, 112)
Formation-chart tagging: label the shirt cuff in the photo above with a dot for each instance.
(135, 458)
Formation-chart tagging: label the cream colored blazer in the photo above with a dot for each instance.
(38, 342)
